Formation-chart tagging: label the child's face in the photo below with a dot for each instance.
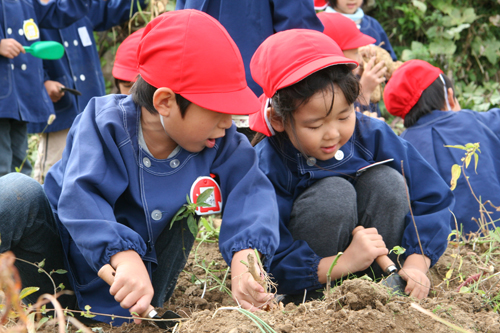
(321, 134)
(124, 87)
(198, 129)
(348, 6)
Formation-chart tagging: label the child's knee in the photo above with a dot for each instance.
(19, 188)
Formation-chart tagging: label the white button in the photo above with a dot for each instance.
(146, 162)
(23, 67)
(66, 44)
(21, 32)
(311, 161)
(82, 77)
(156, 215)
(9, 31)
(174, 164)
(12, 65)
(339, 155)
(74, 78)
(75, 42)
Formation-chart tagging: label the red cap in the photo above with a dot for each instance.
(289, 56)
(191, 53)
(407, 84)
(320, 4)
(344, 31)
(125, 65)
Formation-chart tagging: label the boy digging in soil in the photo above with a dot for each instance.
(126, 170)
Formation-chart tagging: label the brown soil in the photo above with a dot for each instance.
(356, 305)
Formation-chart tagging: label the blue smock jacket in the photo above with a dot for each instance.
(295, 265)
(250, 22)
(370, 26)
(109, 195)
(22, 93)
(439, 128)
(80, 67)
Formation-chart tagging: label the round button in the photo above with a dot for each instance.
(74, 78)
(21, 32)
(174, 163)
(339, 155)
(9, 31)
(156, 215)
(66, 44)
(82, 77)
(311, 161)
(12, 66)
(23, 67)
(75, 42)
(146, 162)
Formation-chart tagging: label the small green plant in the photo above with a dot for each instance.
(188, 211)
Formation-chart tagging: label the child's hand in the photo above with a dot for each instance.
(414, 273)
(246, 291)
(10, 48)
(365, 247)
(132, 286)
(54, 90)
(371, 78)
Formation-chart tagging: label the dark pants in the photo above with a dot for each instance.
(13, 146)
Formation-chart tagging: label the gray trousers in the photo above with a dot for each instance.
(327, 212)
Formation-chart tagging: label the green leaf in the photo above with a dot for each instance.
(28, 291)
(456, 146)
(60, 271)
(204, 196)
(476, 159)
(420, 5)
(467, 160)
(193, 227)
(41, 263)
(206, 224)
(455, 174)
(179, 212)
(188, 200)
(398, 250)
(491, 50)
(442, 46)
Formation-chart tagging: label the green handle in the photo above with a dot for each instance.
(48, 50)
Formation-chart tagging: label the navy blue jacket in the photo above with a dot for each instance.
(439, 128)
(295, 265)
(22, 93)
(250, 22)
(80, 67)
(106, 193)
(370, 26)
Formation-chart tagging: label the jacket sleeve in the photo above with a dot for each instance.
(428, 222)
(297, 14)
(106, 14)
(375, 25)
(250, 213)
(94, 178)
(58, 14)
(490, 118)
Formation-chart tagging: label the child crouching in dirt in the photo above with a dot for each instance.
(318, 155)
(424, 97)
(129, 163)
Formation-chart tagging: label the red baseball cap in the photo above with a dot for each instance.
(320, 4)
(125, 65)
(407, 84)
(344, 31)
(191, 53)
(289, 56)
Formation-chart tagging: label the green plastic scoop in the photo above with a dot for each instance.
(48, 50)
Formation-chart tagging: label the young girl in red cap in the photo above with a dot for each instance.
(125, 66)
(322, 156)
(425, 98)
(345, 33)
(130, 162)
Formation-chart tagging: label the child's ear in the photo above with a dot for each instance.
(276, 122)
(452, 100)
(164, 101)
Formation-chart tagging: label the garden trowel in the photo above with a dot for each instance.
(48, 50)
(393, 279)
(107, 273)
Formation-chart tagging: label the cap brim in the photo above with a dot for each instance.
(313, 67)
(124, 73)
(242, 101)
(361, 40)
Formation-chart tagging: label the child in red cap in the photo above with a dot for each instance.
(125, 66)
(338, 174)
(344, 31)
(131, 161)
(425, 98)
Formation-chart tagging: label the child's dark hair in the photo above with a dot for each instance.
(142, 94)
(433, 98)
(286, 101)
(332, 3)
